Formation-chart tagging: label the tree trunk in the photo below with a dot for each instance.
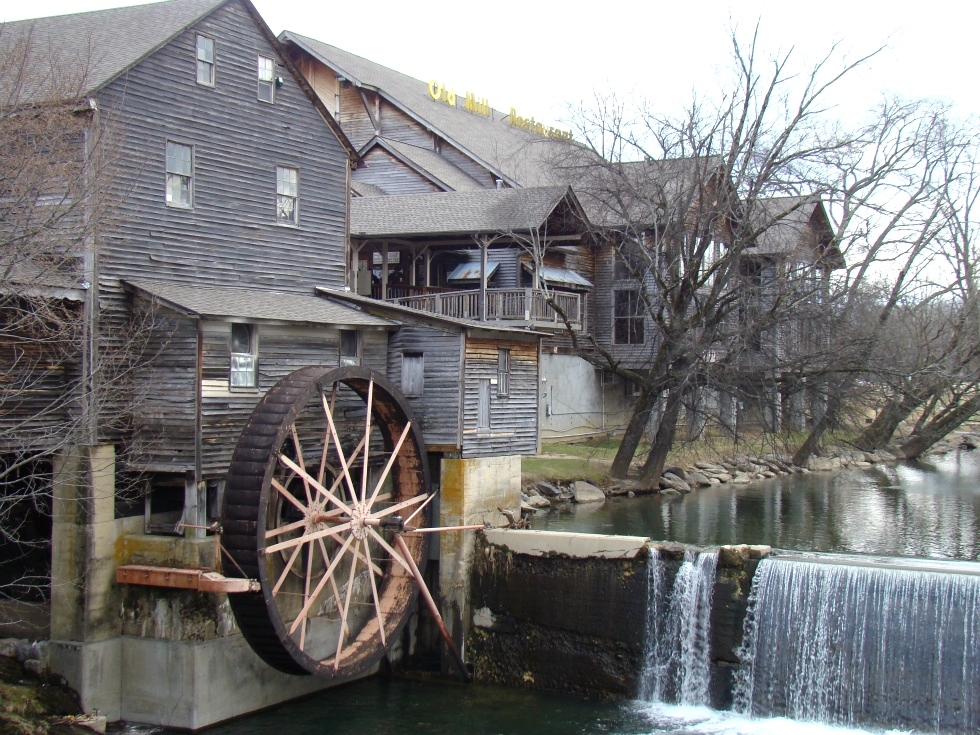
(653, 468)
(881, 430)
(634, 433)
(816, 433)
(936, 429)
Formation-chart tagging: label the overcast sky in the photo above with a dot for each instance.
(540, 56)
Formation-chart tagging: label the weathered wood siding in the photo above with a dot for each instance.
(281, 350)
(229, 237)
(164, 395)
(353, 118)
(396, 125)
(437, 409)
(633, 356)
(513, 418)
(383, 170)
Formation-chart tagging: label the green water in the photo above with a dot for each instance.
(930, 509)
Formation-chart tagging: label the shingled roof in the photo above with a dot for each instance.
(795, 226)
(520, 157)
(76, 55)
(243, 303)
(447, 213)
(432, 163)
(95, 47)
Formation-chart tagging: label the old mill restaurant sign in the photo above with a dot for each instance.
(481, 106)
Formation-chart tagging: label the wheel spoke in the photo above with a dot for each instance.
(326, 563)
(320, 488)
(338, 448)
(394, 554)
(374, 593)
(322, 583)
(288, 495)
(326, 440)
(367, 440)
(343, 618)
(306, 593)
(308, 537)
(301, 463)
(289, 566)
(285, 529)
(398, 506)
(391, 461)
(419, 509)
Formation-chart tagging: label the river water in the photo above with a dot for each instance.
(930, 510)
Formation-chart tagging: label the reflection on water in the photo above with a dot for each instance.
(929, 509)
(381, 706)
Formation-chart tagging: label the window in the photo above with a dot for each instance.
(267, 80)
(287, 195)
(205, 61)
(180, 174)
(412, 374)
(627, 318)
(628, 265)
(483, 405)
(244, 364)
(503, 372)
(350, 353)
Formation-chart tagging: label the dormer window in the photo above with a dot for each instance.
(267, 80)
(205, 61)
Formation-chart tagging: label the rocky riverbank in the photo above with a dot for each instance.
(739, 469)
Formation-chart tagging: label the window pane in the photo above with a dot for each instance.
(178, 159)
(287, 181)
(286, 209)
(266, 67)
(241, 338)
(242, 371)
(205, 49)
(348, 343)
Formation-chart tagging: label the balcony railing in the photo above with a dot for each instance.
(526, 307)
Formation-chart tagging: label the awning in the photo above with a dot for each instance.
(471, 271)
(560, 276)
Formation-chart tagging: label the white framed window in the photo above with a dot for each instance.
(267, 79)
(350, 347)
(243, 372)
(205, 61)
(287, 195)
(503, 372)
(413, 374)
(180, 174)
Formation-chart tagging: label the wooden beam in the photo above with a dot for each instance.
(202, 580)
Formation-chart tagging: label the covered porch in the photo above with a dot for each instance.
(499, 255)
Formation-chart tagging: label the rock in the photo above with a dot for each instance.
(822, 464)
(536, 501)
(733, 556)
(631, 494)
(669, 491)
(711, 467)
(8, 646)
(741, 479)
(548, 490)
(714, 481)
(696, 478)
(676, 471)
(35, 666)
(586, 492)
(25, 650)
(673, 481)
(862, 464)
(524, 497)
(723, 477)
(527, 510)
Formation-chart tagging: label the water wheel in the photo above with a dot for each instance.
(326, 491)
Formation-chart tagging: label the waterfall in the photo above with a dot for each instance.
(677, 663)
(852, 645)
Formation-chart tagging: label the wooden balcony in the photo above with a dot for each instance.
(512, 307)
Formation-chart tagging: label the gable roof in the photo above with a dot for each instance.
(427, 162)
(243, 303)
(72, 56)
(456, 213)
(520, 157)
(795, 226)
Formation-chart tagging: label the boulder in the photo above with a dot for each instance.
(723, 477)
(548, 490)
(669, 491)
(8, 646)
(586, 492)
(35, 666)
(677, 471)
(673, 481)
(710, 466)
(696, 478)
(536, 501)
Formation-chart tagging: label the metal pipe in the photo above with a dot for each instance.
(403, 548)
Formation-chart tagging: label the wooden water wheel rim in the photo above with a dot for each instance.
(350, 512)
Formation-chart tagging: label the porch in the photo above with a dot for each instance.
(518, 307)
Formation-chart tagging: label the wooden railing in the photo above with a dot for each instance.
(400, 291)
(520, 306)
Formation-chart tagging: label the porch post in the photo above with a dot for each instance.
(428, 266)
(384, 270)
(483, 279)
